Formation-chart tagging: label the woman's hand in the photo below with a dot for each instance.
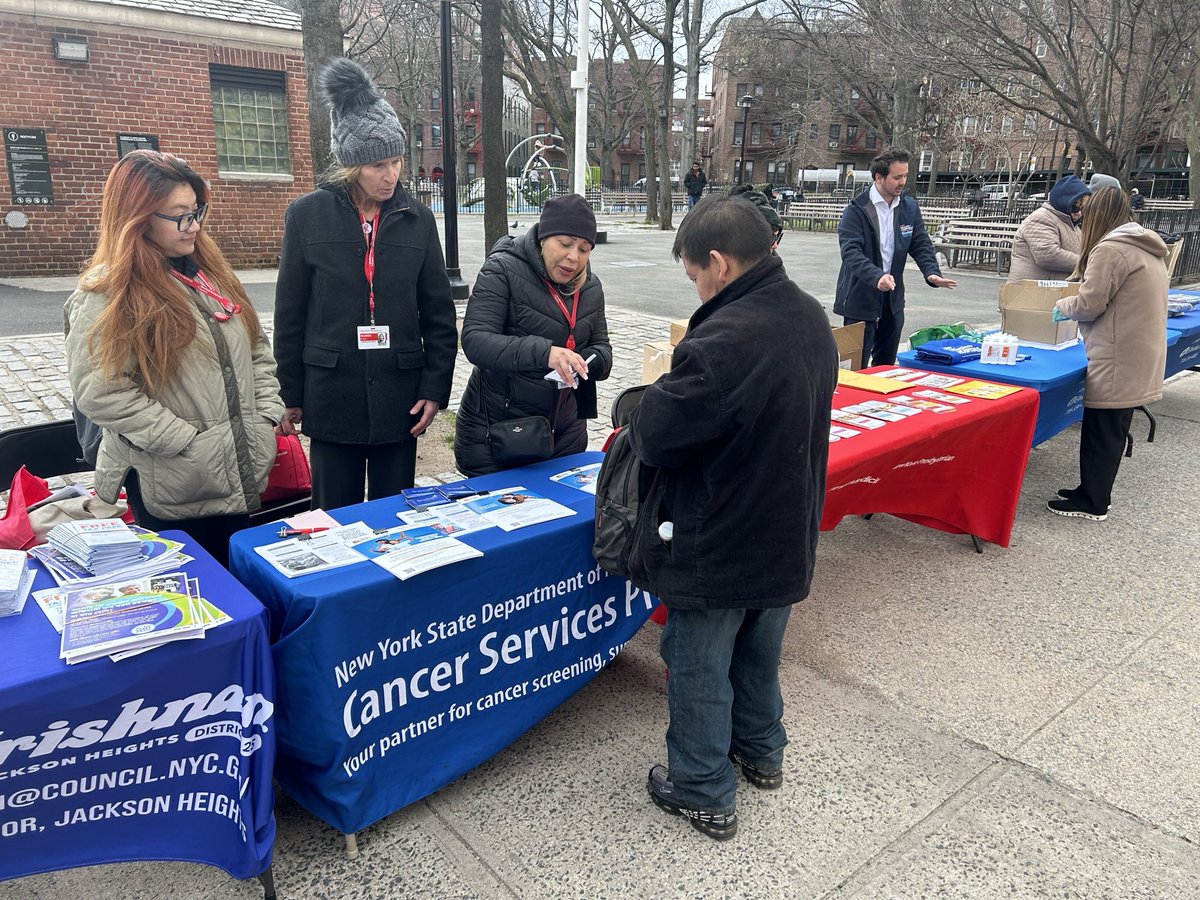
(426, 409)
(568, 364)
(292, 417)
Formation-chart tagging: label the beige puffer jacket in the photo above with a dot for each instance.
(193, 458)
(1046, 246)
(1121, 308)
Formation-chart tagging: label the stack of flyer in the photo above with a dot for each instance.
(159, 554)
(102, 546)
(128, 617)
(16, 578)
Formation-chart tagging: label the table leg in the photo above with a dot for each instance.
(978, 544)
(351, 846)
(267, 880)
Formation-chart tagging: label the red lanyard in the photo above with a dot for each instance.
(369, 231)
(203, 285)
(570, 316)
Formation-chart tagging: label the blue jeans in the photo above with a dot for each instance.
(722, 695)
(693, 199)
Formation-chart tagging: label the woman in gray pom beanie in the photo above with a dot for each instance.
(536, 308)
(365, 332)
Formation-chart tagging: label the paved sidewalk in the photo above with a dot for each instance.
(1018, 724)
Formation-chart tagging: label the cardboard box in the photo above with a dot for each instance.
(1025, 310)
(656, 360)
(678, 330)
(849, 340)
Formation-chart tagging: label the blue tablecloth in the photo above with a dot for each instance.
(163, 756)
(1185, 352)
(390, 689)
(1057, 376)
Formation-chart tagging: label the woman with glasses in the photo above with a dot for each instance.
(166, 355)
(365, 329)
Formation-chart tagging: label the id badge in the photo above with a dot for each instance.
(373, 337)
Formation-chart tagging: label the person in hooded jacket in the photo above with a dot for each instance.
(1046, 246)
(365, 330)
(1121, 308)
(536, 306)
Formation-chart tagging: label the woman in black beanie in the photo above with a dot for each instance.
(536, 308)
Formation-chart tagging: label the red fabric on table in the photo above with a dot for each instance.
(958, 472)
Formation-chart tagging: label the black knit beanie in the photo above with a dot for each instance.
(569, 214)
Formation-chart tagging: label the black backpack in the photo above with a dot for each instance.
(620, 488)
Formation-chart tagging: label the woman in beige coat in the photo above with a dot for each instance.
(1046, 245)
(1121, 308)
(166, 355)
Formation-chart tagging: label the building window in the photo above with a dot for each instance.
(851, 133)
(250, 120)
(627, 139)
(418, 133)
(988, 123)
(776, 130)
(742, 90)
(539, 128)
(872, 140)
(970, 126)
(835, 132)
(1030, 123)
(926, 163)
(771, 171)
(755, 134)
(1006, 125)
(435, 135)
(814, 131)
(738, 133)
(435, 99)
(1040, 50)
(624, 174)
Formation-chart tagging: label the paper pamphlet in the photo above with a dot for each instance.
(582, 478)
(517, 507)
(409, 550)
(873, 383)
(984, 390)
(304, 556)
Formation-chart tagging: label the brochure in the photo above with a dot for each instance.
(517, 507)
(922, 403)
(874, 383)
(984, 390)
(849, 418)
(101, 546)
(127, 618)
(938, 381)
(308, 554)
(450, 519)
(16, 578)
(942, 398)
(839, 432)
(582, 478)
(161, 555)
(407, 551)
(902, 374)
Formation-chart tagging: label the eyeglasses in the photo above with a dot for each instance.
(778, 236)
(184, 221)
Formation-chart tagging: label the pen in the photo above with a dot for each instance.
(289, 532)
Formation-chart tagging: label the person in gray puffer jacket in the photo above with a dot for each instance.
(1047, 243)
(536, 306)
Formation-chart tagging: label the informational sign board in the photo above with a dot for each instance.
(128, 142)
(28, 166)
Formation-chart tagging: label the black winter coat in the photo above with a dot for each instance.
(353, 396)
(739, 431)
(510, 325)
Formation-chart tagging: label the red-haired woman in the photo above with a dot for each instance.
(167, 356)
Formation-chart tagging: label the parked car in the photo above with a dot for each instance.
(640, 184)
(990, 191)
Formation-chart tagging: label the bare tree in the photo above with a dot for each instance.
(321, 28)
(491, 63)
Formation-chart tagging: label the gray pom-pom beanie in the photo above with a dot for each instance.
(363, 126)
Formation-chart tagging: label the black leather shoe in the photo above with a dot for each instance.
(761, 778)
(718, 826)
(1073, 494)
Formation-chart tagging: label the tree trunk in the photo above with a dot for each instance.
(495, 185)
(321, 26)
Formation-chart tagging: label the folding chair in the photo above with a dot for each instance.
(47, 449)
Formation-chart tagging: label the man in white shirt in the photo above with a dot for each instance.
(878, 230)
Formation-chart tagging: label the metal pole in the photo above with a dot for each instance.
(745, 137)
(579, 82)
(459, 289)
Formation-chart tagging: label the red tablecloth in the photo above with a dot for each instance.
(959, 472)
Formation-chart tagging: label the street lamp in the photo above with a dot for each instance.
(745, 103)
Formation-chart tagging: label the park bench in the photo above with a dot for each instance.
(978, 240)
(1167, 204)
(633, 201)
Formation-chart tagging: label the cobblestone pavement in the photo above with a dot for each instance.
(33, 374)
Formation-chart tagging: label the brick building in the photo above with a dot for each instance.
(217, 82)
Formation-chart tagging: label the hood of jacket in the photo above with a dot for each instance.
(1135, 235)
(1064, 194)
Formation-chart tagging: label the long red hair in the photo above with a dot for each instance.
(148, 320)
